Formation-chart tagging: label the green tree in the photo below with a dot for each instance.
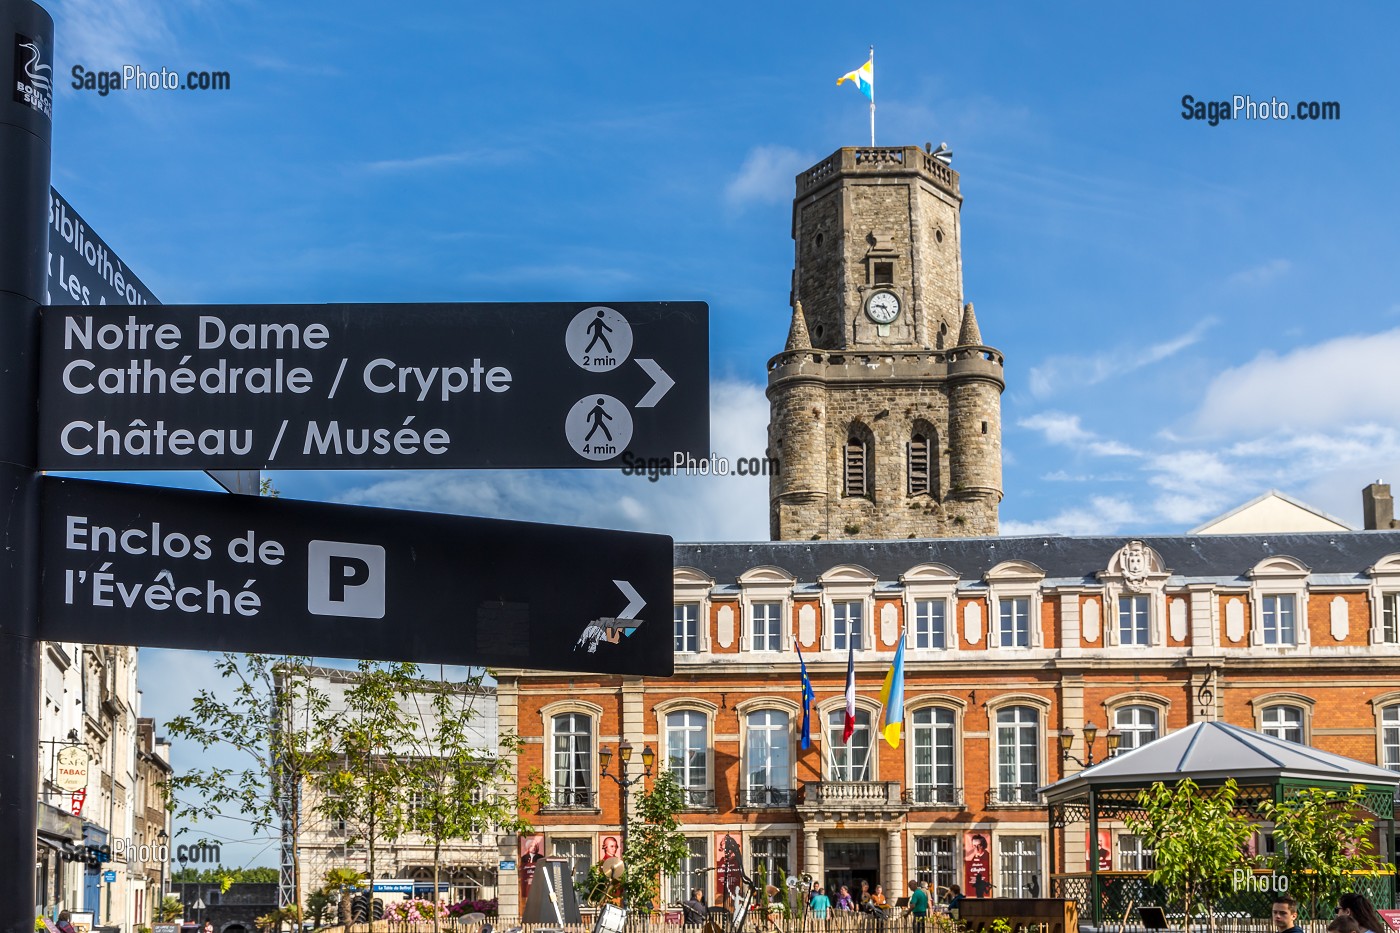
(1321, 837)
(655, 843)
(170, 909)
(363, 782)
(271, 713)
(1198, 838)
(343, 882)
(453, 778)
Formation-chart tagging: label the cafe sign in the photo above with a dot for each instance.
(71, 770)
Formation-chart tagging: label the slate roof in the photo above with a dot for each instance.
(1222, 558)
(1213, 751)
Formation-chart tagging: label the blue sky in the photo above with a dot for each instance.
(1191, 315)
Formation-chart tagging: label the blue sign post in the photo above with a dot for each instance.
(109, 876)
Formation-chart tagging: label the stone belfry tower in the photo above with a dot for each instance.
(885, 404)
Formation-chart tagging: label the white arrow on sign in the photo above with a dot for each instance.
(634, 599)
(612, 628)
(663, 383)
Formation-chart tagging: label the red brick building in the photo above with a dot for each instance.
(1008, 642)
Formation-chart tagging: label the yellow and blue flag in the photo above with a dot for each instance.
(808, 695)
(864, 77)
(892, 696)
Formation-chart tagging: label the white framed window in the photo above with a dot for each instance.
(935, 861)
(848, 761)
(687, 626)
(1133, 855)
(766, 631)
(1279, 626)
(770, 858)
(691, 874)
(1278, 603)
(687, 748)
(1390, 737)
(1018, 754)
(1133, 620)
(1390, 618)
(930, 624)
(1014, 622)
(1283, 722)
(1137, 725)
(934, 737)
(768, 768)
(1020, 866)
(573, 760)
(848, 624)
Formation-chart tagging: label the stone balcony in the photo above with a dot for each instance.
(878, 160)
(871, 801)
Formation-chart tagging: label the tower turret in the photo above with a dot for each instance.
(871, 402)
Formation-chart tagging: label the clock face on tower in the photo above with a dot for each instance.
(882, 307)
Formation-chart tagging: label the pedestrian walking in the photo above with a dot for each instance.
(1359, 908)
(918, 904)
(1285, 914)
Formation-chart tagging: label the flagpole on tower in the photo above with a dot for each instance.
(872, 97)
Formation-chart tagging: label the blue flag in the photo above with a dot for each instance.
(808, 695)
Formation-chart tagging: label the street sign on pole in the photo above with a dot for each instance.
(165, 568)
(83, 270)
(373, 386)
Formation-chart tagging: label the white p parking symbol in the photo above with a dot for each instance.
(345, 579)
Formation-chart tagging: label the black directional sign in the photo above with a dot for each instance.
(83, 270)
(176, 569)
(373, 386)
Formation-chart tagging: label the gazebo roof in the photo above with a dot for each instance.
(1210, 752)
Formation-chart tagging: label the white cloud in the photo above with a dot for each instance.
(1057, 373)
(103, 35)
(1100, 515)
(1346, 380)
(698, 508)
(1066, 431)
(766, 177)
(1262, 274)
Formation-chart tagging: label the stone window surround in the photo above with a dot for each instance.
(938, 700)
(1042, 707)
(1299, 701)
(1379, 704)
(1137, 698)
(686, 705)
(1115, 584)
(847, 583)
(766, 584)
(825, 708)
(593, 711)
(692, 586)
(931, 581)
(767, 831)
(1279, 576)
(757, 705)
(1385, 581)
(1015, 579)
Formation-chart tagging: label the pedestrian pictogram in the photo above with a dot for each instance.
(599, 427)
(598, 339)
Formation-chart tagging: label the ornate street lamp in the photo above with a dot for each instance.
(1091, 732)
